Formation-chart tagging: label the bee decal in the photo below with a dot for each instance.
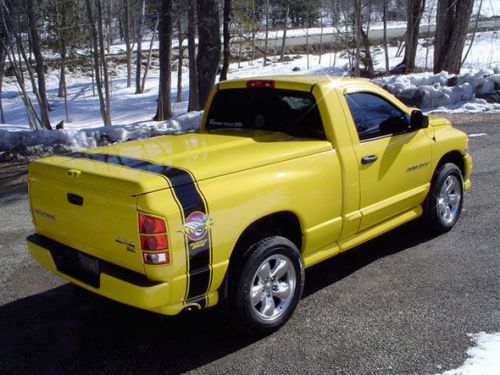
(197, 225)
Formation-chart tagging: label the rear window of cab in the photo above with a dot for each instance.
(292, 112)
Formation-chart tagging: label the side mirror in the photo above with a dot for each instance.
(418, 120)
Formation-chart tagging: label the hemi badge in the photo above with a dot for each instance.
(130, 245)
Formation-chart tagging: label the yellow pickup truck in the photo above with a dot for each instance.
(284, 173)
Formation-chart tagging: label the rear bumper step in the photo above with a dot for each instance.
(97, 275)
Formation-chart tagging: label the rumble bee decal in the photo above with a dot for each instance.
(196, 228)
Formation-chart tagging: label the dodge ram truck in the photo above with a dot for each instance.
(284, 173)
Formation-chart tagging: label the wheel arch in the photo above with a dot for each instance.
(454, 157)
(283, 223)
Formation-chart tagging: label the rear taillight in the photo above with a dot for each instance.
(150, 225)
(260, 84)
(156, 258)
(154, 241)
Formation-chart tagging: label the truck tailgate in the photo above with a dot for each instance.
(90, 209)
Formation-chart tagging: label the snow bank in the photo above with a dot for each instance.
(483, 358)
(25, 144)
(445, 92)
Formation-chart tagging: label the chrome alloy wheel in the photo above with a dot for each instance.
(273, 287)
(448, 202)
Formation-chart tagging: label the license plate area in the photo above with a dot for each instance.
(80, 266)
(88, 263)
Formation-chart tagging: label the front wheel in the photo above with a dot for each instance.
(266, 290)
(445, 199)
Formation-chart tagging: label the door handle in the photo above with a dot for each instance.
(369, 159)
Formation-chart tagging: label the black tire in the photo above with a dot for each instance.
(271, 253)
(441, 212)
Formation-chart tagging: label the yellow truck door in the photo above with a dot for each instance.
(394, 160)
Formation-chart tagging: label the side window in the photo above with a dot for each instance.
(375, 116)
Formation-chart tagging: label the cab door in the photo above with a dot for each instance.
(393, 159)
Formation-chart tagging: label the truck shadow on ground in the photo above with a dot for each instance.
(68, 330)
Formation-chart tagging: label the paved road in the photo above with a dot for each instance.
(402, 304)
(375, 35)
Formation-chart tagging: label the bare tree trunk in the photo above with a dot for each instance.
(62, 71)
(193, 104)
(386, 51)
(285, 24)
(368, 61)
(267, 32)
(104, 65)
(429, 17)
(240, 46)
(473, 34)
(227, 38)
(138, 63)
(62, 93)
(357, 26)
(321, 35)
(95, 54)
(451, 30)
(180, 60)
(40, 70)
(126, 34)
(368, 56)
(414, 12)
(209, 47)
(109, 17)
(150, 54)
(164, 110)
(9, 50)
(3, 56)
(254, 30)
(307, 46)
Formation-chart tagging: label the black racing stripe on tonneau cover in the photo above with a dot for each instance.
(191, 201)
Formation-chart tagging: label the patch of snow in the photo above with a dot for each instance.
(25, 144)
(445, 92)
(484, 358)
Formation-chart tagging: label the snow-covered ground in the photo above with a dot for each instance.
(131, 114)
(484, 357)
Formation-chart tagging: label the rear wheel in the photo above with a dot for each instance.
(266, 287)
(445, 199)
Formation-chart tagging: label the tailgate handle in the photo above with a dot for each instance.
(75, 199)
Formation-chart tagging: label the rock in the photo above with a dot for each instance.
(398, 69)
(452, 81)
(60, 125)
(296, 69)
(493, 97)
